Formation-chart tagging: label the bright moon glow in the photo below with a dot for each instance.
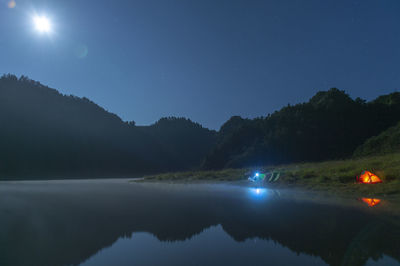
(42, 24)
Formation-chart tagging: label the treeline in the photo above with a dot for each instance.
(331, 125)
(185, 140)
(44, 133)
(386, 142)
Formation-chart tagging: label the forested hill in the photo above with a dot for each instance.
(185, 140)
(331, 125)
(386, 142)
(46, 134)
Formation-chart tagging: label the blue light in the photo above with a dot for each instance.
(257, 174)
(258, 192)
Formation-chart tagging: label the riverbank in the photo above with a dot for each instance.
(331, 176)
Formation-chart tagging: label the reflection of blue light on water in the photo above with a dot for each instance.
(258, 192)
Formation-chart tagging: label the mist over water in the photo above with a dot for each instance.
(104, 222)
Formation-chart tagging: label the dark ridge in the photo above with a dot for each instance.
(45, 134)
(331, 125)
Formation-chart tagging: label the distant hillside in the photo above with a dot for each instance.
(329, 126)
(186, 141)
(386, 142)
(44, 133)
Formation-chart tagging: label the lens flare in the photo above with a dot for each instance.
(11, 4)
(81, 51)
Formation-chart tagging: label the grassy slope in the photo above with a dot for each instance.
(386, 142)
(330, 176)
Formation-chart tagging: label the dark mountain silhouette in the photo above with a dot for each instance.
(44, 133)
(186, 141)
(47, 134)
(387, 141)
(330, 125)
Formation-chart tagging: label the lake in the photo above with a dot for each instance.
(116, 222)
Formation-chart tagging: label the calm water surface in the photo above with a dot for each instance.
(114, 222)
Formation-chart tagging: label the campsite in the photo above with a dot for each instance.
(339, 177)
(199, 132)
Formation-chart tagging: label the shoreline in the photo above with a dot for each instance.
(386, 204)
(334, 177)
(353, 190)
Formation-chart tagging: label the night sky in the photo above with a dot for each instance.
(206, 59)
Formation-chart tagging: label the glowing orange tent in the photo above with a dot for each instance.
(371, 202)
(367, 177)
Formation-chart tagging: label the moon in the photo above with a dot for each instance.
(42, 24)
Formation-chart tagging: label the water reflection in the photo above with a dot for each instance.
(258, 193)
(371, 202)
(212, 247)
(69, 223)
